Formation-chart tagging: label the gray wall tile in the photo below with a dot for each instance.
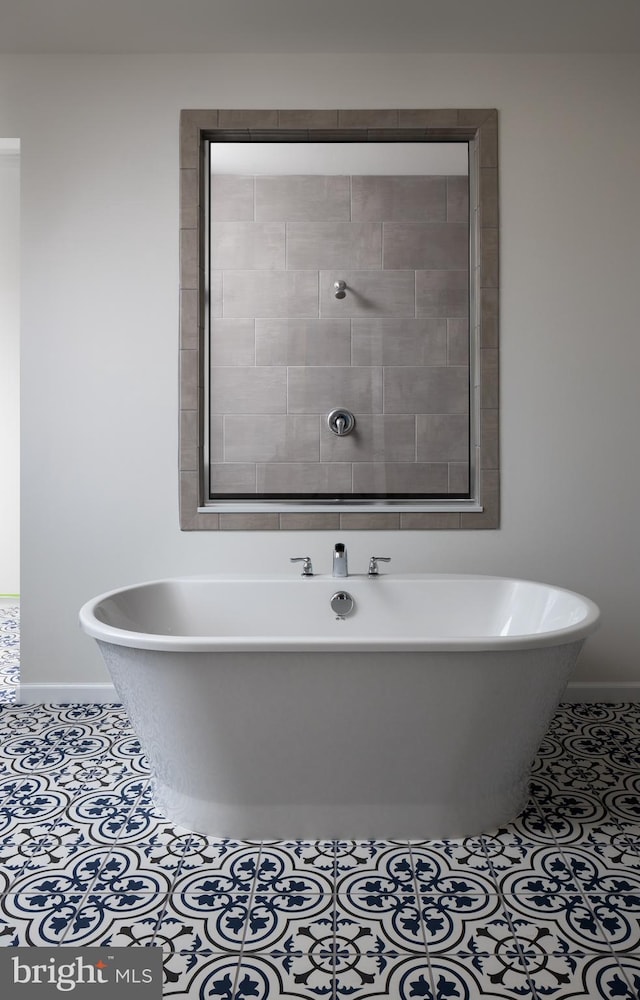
(375, 438)
(308, 119)
(303, 342)
(403, 341)
(320, 390)
(373, 118)
(257, 118)
(410, 477)
(302, 198)
(426, 245)
(247, 245)
(304, 477)
(458, 477)
(231, 198)
(233, 478)
(388, 293)
(268, 437)
(442, 293)
(426, 390)
(442, 437)
(232, 342)
(266, 293)
(398, 199)
(248, 390)
(457, 199)
(458, 341)
(334, 244)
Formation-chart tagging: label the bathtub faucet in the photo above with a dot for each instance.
(340, 565)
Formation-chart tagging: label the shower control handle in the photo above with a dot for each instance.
(341, 421)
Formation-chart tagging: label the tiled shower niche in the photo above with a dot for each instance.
(285, 351)
(268, 349)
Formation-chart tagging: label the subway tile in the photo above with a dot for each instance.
(442, 293)
(432, 520)
(267, 437)
(386, 293)
(303, 341)
(248, 390)
(232, 342)
(458, 199)
(489, 258)
(376, 437)
(189, 380)
(256, 118)
(295, 118)
(489, 439)
(489, 317)
(398, 199)
(188, 440)
(249, 522)
(489, 379)
(458, 341)
(428, 118)
(233, 478)
(270, 293)
(303, 198)
(488, 197)
(334, 244)
(365, 521)
(247, 245)
(189, 259)
(313, 521)
(321, 389)
(368, 118)
(402, 341)
(425, 245)
(442, 437)
(304, 477)
(189, 319)
(398, 478)
(189, 199)
(231, 198)
(426, 390)
(189, 500)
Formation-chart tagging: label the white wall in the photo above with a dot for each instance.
(99, 321)
(9, 366)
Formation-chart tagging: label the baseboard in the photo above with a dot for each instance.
(65, 694)
(105, 694)
(592, 691)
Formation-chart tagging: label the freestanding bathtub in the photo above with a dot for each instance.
(264, 715)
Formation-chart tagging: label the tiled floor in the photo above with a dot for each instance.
(549, 906)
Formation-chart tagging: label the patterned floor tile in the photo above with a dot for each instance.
(37, 918)
(566, 918)
(103, 915)
(232, 870)
(279, 870)
(367, 920)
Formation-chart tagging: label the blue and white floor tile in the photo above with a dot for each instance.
(545, 907)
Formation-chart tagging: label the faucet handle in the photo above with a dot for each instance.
(373, 564)
(307, 568)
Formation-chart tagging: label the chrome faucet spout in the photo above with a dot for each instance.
(340, 565)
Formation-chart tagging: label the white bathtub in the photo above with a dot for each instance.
(264, 716)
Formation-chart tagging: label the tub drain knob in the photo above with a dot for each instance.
(342, 603)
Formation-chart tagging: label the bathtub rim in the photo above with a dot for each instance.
(104, 632)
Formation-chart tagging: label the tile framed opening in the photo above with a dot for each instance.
(273, 464)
